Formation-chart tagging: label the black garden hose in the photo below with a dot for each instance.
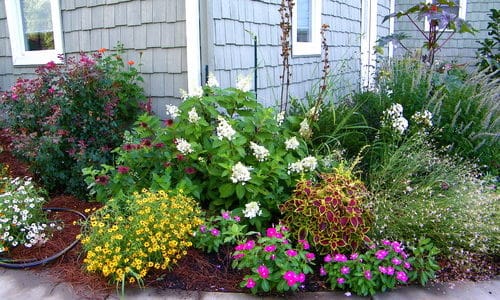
(22, 264)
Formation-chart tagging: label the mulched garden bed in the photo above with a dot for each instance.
(196, 271)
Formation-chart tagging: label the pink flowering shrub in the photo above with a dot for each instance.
(72, 115)
(275, 264)
(381, 268)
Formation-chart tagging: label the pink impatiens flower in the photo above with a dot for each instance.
(368, 274)
(291, 252)
(250, 283)
(345, 270)
(381, 254)
(340, 280)
(340, 258)
(263, 271)
(270, 248)
(328, 258)
(123, 169)
(215, 232)
(401, 276)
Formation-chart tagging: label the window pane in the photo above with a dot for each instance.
(304, 21)
(37, 24)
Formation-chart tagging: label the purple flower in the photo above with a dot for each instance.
(237, 218)
(390, 270)
(203, 228)
(401, 276)
(263, 271)
(340, 280)
(270, 248)
(322, 271)
(290, 277)
(291, 252)
(271, 232)
(305, 244)
(328, 258)
(340, 258)
(354, 256)
(381, 254)
(226, 215)
(386, 242)
(250, 283)
(345, 270)
(382, 269)
(407, 265)
(215, 232)
(249, 245)
(396, 261)
(310, 256)
(397, 247)
(368, 274)
(240, 247)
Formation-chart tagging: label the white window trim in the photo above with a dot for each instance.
(368, 41)
(19, 55)
(462, 12)
(313, 47)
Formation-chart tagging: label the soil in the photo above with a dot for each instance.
(196, 271)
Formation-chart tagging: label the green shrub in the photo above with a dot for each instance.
(489, 52)
(221, 146)
(132, 235)
(71, 115)
(329, 214)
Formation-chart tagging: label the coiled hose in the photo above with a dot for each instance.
(22, 264)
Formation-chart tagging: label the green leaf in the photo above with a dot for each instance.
(240, 191)
(226, 190)
(265, 285)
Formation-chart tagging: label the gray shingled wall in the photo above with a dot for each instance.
(233, 46)
(462, 47)
(155, 28)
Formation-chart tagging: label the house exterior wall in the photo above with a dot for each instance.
(461, 48)
(152, 31)
(232, 23)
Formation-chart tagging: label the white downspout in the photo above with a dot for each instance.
(193, 44)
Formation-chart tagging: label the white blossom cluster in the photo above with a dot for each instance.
(196, 92)
(260, 152)
(212, 81)
(240, 173)
(252, 209)
(292, 143)
(280, 117)
(172, 110)
(393, 118)
(183, 146)
(193, 116)
(314, 113)
(423, 118)
(224, 129)
(304, 130)
(309, 163)
(244, 83)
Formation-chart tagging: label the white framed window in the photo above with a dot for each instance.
(35, 31)
(306, 27)
(459, 10)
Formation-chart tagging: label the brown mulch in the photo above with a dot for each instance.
(196, 271)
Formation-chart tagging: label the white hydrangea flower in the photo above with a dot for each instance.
(212, 81)
(309, 163)
(196, 92)
(183, 146)
(244, 83)
(400, 125)
(280, 117)
(292, 143)
(252, 209)
(260, 152)
(305, 130)
(240, 173)
(172, 110)
(193, 115)
(295, 167)
(224, 129)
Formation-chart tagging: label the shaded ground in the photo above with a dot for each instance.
(196, 271)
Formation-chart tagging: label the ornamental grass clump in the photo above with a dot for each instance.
(330, 213)
(219, 145)
(132, 235)
(22, 220)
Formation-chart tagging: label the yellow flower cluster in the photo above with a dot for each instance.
(128, 237)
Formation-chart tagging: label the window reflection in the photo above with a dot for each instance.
(37, 25)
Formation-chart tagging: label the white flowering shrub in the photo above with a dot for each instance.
(22, 221)
(221, 146)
